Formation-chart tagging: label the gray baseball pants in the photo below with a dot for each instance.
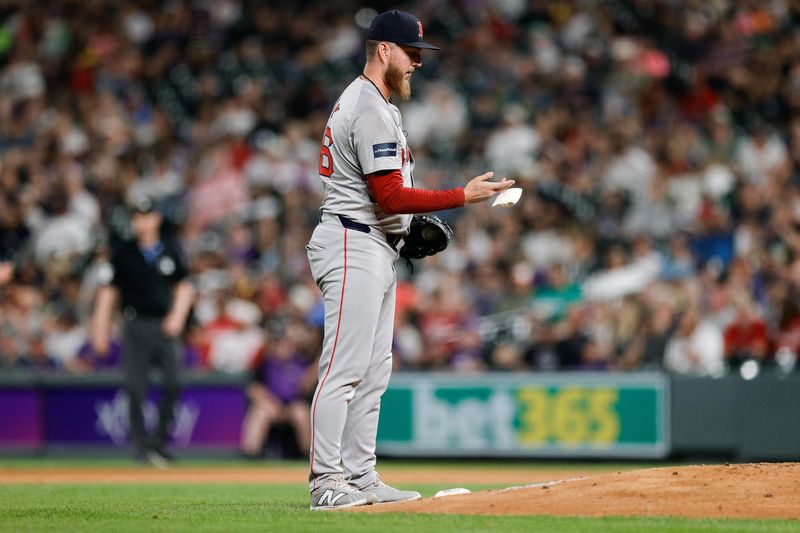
(355, 271)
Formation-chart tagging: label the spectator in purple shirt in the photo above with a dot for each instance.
(89, 360)
(279, 391)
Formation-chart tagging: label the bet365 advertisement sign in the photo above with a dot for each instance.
(535, 415)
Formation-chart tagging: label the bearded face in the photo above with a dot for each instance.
(398, 81)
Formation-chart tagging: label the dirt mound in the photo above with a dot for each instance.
(763, 490)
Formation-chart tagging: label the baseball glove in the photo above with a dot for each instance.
(428, 235)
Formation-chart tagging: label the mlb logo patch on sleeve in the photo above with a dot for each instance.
(384, 150)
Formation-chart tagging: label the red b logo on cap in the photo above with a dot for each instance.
(419, 25)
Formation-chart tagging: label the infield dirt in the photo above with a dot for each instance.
(763, 490)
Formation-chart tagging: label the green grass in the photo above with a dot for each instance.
(273, 507)
(282, 507)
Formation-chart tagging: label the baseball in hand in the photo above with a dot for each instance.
(507, 198)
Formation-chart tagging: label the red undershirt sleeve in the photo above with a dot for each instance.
(394, 198)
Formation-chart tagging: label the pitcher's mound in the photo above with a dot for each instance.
(763, 490)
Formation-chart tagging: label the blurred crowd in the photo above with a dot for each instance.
(657, 143)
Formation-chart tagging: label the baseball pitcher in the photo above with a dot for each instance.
(369, 202)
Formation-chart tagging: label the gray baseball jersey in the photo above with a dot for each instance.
(353, 265)
(364, 135)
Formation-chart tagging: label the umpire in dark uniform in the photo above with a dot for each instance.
(149, 275)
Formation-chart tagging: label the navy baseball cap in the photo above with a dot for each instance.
(398, 27)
